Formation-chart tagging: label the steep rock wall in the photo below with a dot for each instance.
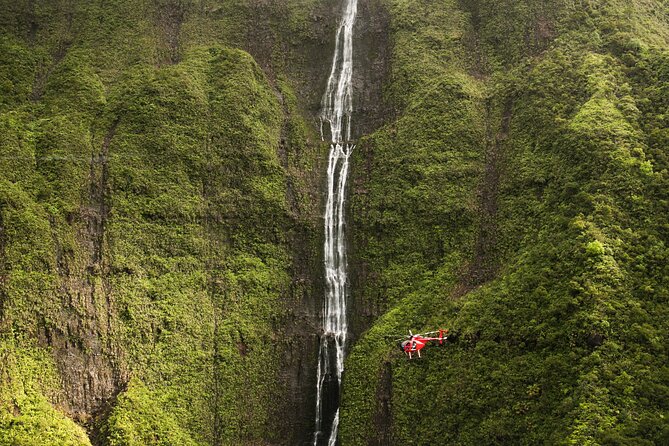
(161, 211)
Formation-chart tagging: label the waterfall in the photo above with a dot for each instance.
(336, 110)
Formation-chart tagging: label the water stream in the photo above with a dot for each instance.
(337, 107)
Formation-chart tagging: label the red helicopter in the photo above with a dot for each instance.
(414, 343)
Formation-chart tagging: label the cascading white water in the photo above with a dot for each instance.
(336, 111)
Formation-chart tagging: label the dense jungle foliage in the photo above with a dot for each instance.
(161, 179)
(520, 200)
(154, 182)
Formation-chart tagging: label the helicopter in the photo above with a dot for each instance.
(414, 343)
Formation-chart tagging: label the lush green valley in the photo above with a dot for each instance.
(161, 199)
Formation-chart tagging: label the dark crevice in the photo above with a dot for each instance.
(3, 270)
(104, 198)
(217, 428)
(383, 420)
(485, 262)
(29, 22)
(81, 337)
(483, 265)
(100, 196)
(43, 73)
(283, 152)
(96, 426)
(170, 17)
(46, 68)
(472, 40)
(216, 236)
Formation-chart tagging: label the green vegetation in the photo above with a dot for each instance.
(146, 230)
(137, 419)
(160, 202)
(546, 256)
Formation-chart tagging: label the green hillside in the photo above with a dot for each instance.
(158, 192)
(520, 199)
(161, 200)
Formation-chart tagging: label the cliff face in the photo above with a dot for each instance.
(519, 199)
(160, 221)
